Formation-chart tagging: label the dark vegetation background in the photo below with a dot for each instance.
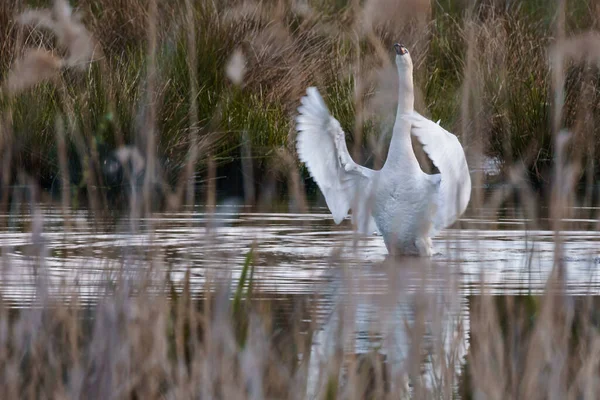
(483, 68)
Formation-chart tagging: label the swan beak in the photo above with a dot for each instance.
(400, 49)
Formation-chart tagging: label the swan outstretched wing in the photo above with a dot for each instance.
(321, 145)
(447, 154)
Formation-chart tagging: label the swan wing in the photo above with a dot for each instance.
(321, 145)
(447, 154)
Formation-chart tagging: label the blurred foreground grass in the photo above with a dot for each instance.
(186, 86)
(147, 336)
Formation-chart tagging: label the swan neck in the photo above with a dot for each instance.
(401, 154)
(406, 91)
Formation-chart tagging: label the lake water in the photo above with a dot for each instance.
(295, 253)
(303, 255)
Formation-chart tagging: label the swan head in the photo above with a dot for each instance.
(403, 60)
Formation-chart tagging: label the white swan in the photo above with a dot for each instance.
(407, 205)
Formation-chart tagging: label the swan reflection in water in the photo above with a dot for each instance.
(409, 312)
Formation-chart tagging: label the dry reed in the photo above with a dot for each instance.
(502, 81)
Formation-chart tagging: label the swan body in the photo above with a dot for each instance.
(406, 205)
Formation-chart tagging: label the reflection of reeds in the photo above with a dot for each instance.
(193, 82)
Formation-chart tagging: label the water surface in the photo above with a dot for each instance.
(304, 256)
(295, 253)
